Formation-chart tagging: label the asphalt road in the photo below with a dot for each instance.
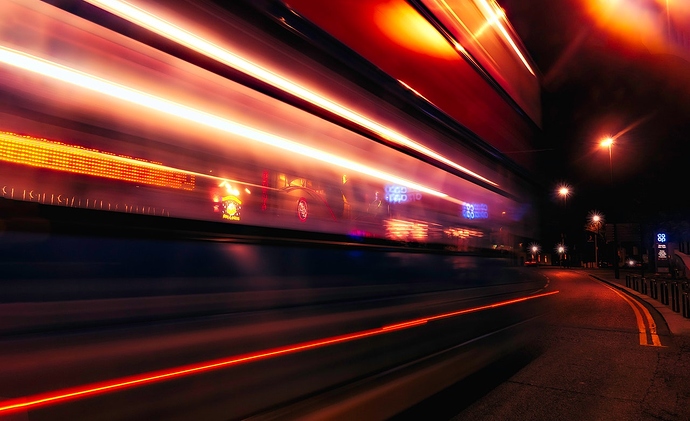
(146, 328)
(587, 364)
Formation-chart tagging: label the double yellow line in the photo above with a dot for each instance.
(645, 322)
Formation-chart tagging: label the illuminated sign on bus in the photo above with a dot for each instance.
(401, 194)
(475, 211)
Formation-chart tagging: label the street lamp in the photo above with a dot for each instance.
(564, 191)
(596, 220)
(561, 249)
(534, 248)
(608, 143)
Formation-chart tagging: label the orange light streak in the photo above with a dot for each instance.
(43, 399)
(83, 80)
(414, 91)
(54, 155)
(181, 36)
(399, 229)
(495, 16)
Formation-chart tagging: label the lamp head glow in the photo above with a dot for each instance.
(607, 143)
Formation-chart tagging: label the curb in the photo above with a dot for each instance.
(676, 324)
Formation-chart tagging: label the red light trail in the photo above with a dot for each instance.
(54, 397)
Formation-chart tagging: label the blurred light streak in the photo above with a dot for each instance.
(566, 56)
(54, 155)
(452, 37)
(676, 9)
(406, 27)
(414, 91)
(399, 229)
(639, 21)
(633, 125)
(405, 325)
(462, 232)
(452, 13)
(43, 399)
(488, 306)
(75, 77)
(493, 14)
(181, 36)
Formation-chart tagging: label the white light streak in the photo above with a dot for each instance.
(96, 84)
(181, 36)
(493, 15)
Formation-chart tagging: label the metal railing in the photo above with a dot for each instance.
(675, 294)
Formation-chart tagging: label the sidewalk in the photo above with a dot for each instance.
(677, 324)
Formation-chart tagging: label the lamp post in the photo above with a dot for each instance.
(560, 248)
(564, 191)
(534, 248)
(608, 143)
(595, 222)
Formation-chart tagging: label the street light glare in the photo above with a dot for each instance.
(595, 217)
(564, 191)
(607, 143)
(595, 220)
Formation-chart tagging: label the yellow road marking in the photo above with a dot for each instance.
(640, 321)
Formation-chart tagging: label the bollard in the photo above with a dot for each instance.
(675, 297)
(653, 289)
(627, 281)
(686, 305)
(664, 292)
(643, 285)
(636, 283)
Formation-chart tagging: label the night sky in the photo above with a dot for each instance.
(597, 82)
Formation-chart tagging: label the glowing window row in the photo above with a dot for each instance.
(54, 155)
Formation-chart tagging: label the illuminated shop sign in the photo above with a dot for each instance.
(661, 238)
(475, 211)
(231, 207)
(401, 194)
(661, 254)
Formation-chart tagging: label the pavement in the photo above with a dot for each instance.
(587, 364)
(677, 324)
